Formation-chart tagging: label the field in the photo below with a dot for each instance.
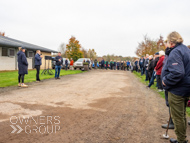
(10, 78)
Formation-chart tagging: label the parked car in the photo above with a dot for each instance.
(63, 66)
(79, 63)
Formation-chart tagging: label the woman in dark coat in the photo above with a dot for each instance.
(22, 67)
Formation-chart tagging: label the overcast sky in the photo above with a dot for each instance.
(108, 26)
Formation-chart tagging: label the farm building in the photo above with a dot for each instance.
(9, 49)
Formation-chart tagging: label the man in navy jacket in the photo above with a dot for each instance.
(176, 80)
(38, 63)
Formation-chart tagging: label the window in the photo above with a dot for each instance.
(30, 54)
(4, 52)
(11, 52)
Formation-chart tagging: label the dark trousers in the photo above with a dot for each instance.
(66, 67)
(150, 75)
(37, 72)
(152, 79)
(159, 81)
(136, 68)
(117, 67)
(21, 77)
(146, 72)
(127, 67)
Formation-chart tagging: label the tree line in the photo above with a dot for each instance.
(149, 46)
(75, 51)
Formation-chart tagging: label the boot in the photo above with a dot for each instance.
(188, 122)
(175, 141)
(171, 126)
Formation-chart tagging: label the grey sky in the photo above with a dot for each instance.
(108, 26)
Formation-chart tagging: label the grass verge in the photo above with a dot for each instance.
(10, 78)
(153, 87)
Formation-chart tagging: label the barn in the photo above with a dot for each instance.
(9, 49)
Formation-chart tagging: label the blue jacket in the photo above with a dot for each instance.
(176, 71)
(22, 63)
(66, 62)
(38, 60)
(128, 63)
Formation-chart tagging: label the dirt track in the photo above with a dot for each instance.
(92, 107)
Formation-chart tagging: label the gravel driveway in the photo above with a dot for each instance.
(100, 106)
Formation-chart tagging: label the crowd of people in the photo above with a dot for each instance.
(170, 68)
(114, 65)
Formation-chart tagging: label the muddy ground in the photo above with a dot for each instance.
(94, 107)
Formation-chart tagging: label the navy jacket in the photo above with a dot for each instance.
(176, 71)
(38, 60)
(22, 63)
(141, 63)
(58, 63)
(66, 62)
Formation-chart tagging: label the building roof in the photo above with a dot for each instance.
(9, 42)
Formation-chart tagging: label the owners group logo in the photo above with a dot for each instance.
(38, 124)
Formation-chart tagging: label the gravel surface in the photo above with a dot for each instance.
(100, 106)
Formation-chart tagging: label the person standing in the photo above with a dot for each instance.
(114, 64)
(128, 65)
(71, 64)
(167, 52)
(58, 64)
(22, 67)
(125, 65)
(141, 65)
(38, 63)
(176, 80)
(111, 65)
(155, 61)
(158, 70)
(118, 65)
(146, 66)
(102, 64)
(95, 63)
(136, 65)
(66, 64)
(106, 65)
(150, 67)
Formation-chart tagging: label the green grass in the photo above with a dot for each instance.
(10, 78)
(153, 87)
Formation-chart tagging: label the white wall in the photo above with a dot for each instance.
(7, 63)
(10, 63)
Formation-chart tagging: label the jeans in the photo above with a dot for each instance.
(142, 71)
(152, 79)
(57, 71)
(66, 67)
(114, 67)
(37, 72)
